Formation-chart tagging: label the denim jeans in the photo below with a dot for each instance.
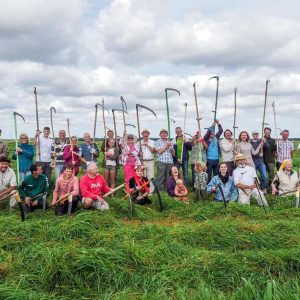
(212, 166)
(23, 174)
(261, 168)
(58, 170)
(184, 166)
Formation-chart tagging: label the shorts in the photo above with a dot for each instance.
(110, 168)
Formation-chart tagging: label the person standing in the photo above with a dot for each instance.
(4, 150)
(244, 177)
(181, 148)
(58, 148)
(227, 146)
(244, 147)
(148, 150)
(285, 148)
(269, 151)
(165, 152)
(71, 155)
(8, 182)
(130, 156)
(89, 151)
(33, 185)
(259, 161)
(44, 157)
(198, 153)
(25, 152)
(213, 151)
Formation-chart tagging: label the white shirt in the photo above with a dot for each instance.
(45, 149)
(244, 175)
(227, 150)
(8, 178)
(147, 155)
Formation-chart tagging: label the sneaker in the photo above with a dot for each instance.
(264, 191)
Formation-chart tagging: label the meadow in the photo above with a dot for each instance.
(196, 251)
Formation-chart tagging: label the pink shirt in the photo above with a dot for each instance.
(63, 187)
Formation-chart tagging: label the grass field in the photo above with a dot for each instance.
(191, 251)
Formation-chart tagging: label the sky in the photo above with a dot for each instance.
(78, 52)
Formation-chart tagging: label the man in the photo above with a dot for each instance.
(181, 148)
(4, 150)
(8, 183)
(227, 146)
(244, 177)
(88, 151)
(57, 150)
(148, 150)
(165, 153)
(259, 161)
(285, 149)
(93, 186)
(110, 135)
(269, 151)
(213, 152)
(43, 151)
(34, 189)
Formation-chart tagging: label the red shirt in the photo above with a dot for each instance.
(93, 187)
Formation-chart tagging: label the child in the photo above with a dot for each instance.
(200, 183)
(181, 191)
(110, 163)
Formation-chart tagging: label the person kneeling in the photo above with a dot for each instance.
(223, 182)
(66, 186)
(34, 189)
(92, 186)
(140, 183)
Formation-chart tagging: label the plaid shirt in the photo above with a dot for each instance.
(165, 157)
(284, 150)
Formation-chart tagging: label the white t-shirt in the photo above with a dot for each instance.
(8, 178)
(45, 149)
(244, 175)
(147, 155)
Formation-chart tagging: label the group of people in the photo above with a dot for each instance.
(234, 178)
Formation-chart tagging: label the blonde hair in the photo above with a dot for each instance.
(24, 135)
(179, 181)
(202, 165)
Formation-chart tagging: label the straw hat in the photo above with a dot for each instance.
(240, 156)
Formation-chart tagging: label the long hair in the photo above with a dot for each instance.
(248, 138)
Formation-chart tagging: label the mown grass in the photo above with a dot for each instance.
(196, 251)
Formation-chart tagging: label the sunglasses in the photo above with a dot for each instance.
(24, 138)
(130, 138)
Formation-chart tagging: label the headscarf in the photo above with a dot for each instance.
(283, 165)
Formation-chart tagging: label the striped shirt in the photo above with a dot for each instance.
(284, 150)
(165, 157)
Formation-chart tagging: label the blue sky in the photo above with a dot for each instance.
(77, 52)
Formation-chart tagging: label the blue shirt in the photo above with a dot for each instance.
(25, 157)
(213, 150)
(86, 151)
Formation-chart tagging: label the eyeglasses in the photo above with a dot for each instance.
(130, 138)
(24, 138)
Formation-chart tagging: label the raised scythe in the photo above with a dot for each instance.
(217, 95)
(37, 123)
(167, 103)
(275, 123)
(198, 119)
(183, 139)
(104, 123)
(265, 105)
(114, 120)
(130, 125)
(137, 106)
(124, 105)
(68, 126)
(234, 114)
(16, 142)
(52, 109)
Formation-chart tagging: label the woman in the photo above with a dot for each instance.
(110, 163)
(286, 181)
(129, 156)
(171, 182)
(198, 144)
(244, 147)
(66, 185)
(139, 182)
(25, 153)
(71, 155)
(225, 182)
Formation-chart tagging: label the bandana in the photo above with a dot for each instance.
(140, 181)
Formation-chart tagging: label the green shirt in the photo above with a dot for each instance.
(31, 186)
(179, 142)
